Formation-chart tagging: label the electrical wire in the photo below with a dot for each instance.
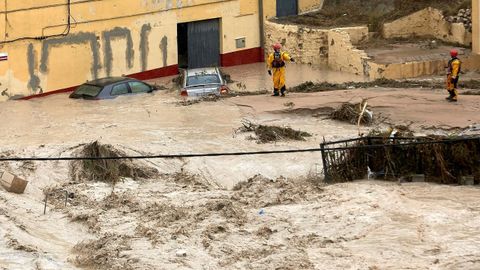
(166, 156)
(249, 153)
(65, 32)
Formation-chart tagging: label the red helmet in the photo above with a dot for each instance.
(453, 53)
(277, 46)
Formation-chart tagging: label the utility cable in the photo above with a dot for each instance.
(166, 156)
(65, 32)
(248, 153)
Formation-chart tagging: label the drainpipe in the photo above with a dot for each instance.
(262, 30)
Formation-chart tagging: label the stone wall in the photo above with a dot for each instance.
(343, 55)
(307, 45)
(428, 22)
(310, 45)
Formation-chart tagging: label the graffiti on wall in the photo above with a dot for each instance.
(117, 33)
(91, 38)
(72, 39)
(146, 28)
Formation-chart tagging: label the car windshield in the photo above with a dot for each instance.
(87, 90)
(202, 79)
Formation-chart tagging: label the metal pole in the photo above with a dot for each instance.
(45, 206)
(324, 161)
(262, 28)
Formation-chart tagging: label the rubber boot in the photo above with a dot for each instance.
(283, 91)
(450, 92)
(275, 92)
(454, 96)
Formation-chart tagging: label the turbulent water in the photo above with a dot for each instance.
(194, 206)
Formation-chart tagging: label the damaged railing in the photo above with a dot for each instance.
(437, 159)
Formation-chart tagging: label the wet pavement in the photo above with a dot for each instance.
(254, 77)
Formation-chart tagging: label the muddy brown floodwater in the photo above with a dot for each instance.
(247, 212)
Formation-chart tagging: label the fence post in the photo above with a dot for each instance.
(324, 161)
(45, 205)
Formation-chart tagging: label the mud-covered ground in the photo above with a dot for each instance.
(247, 212)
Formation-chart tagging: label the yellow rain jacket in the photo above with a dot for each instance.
(276, 63)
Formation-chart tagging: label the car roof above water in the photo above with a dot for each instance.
(106, 81)
(200, 71)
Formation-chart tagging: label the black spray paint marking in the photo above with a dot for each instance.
(146, 28)
(34, 81)
(116, 33)
(163, 47)
(72, 39)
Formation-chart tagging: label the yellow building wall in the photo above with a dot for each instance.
(476, 26)
(114, 37)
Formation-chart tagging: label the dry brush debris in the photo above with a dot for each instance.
(267, 134)
(353, 113)
(107, 170)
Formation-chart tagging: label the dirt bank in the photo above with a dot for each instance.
(308, 87)
(339, 13)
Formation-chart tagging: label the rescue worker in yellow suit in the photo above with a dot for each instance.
(454, 68)
(276, 64)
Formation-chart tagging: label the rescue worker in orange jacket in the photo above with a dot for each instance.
(454, 68)
(276, 67)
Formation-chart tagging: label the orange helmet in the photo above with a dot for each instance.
(277, 46)
(453, 53)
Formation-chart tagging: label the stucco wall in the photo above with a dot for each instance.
(476, 26)
(107, 38)
(427, 22)
(343, 56)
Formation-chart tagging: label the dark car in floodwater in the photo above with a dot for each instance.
(111, 87)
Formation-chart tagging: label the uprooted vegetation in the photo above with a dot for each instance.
(107, 170)
(440, 159)
(309, 87)
(359, 113)
(267, 134)
(338, 13)
(471, 93)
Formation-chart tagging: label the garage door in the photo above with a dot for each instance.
(203, 44)
(287, 8)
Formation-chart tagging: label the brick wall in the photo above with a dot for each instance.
(343, 55)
